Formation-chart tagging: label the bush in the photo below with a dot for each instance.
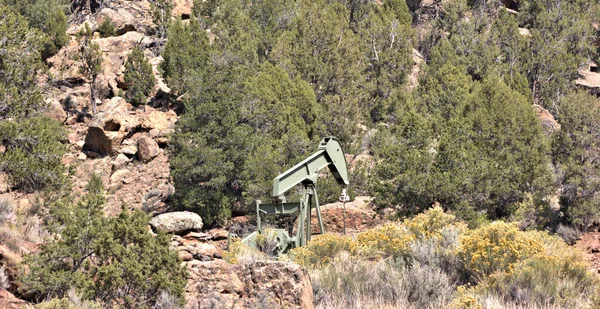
(239, 253)
(388, 240)
(139, 77)
(107, 28)
(568, 233)
(33, 154)
(6, 211)
(495, 247)
(322, 249)
(543, 281)
(115, 261)
(349, 282)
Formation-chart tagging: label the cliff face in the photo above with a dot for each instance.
(124, 144)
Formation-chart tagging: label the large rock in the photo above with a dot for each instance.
(182, 8)
(112, 125)
(147, 149)
(97, 141)
(177, 222)
(273, 284)
(122, 19)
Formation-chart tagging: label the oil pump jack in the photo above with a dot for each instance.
(329, 154)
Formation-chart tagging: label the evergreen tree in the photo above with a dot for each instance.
(139, 77)
(90, 58)
(575, 154)
(46, 15)
(32, 143)
(115, 261)
(185, 55)
(323, 50)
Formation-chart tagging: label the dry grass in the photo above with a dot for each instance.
(4, 281)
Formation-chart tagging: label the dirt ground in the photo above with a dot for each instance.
(590, 242)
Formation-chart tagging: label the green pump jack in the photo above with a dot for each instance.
(306, 173)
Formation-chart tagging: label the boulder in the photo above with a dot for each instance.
(147, 149)
(119, 162)
(119, 175)
(122, 19)
(177, 222)
(112, 125)
(97, 141)
(159, 121)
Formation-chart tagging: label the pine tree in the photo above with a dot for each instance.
(90, 58)
(139, 77)
(575, 152)
(33, 143)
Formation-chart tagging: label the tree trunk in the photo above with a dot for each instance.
(93, 94)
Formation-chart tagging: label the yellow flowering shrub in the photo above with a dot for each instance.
(321, 249)
(431, 222)
(466, 298)
(496, 247)
(388, 240)
(240, 253)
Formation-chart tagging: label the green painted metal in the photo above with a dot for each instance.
(329, 154)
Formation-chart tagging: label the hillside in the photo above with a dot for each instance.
(471, 130)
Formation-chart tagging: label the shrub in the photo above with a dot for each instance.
(6, 211)
(107, 28)
(350, 282)
(545, 281)
(431, 222)
(568, 233)
(322, 249)
(239, 253)
(139, 77)
(426, 286)
(115, 261)
(388, 240)
(495, 247)
(33, 153)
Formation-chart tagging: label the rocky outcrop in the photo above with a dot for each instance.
(177, 222)
(549, 124)
(9, 301)
(359, 217)
(182, 8)
(266, 284)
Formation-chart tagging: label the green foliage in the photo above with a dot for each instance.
(115, 261)
(161, 13)
(477, 170)
(575, 151)
(139, 77)
(19, 65)
(228, 145)
(90, 59)
(495, 247)
(33, 154)
(46, 15)
(107, 28)
(186, 55)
